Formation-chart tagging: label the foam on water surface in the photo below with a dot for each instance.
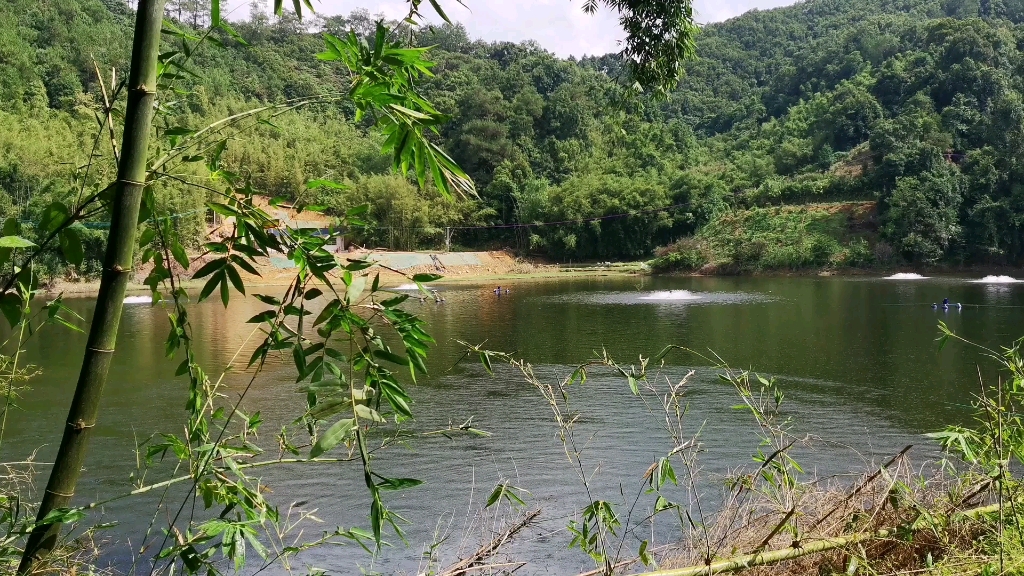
(906, 276)
(667, 298)
(997, 280)
(671, 295)
(138, 300)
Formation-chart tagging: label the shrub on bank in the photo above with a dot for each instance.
(688, 254)
(775, 238)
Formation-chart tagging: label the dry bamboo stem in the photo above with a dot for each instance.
(738, 563)
(488, 550)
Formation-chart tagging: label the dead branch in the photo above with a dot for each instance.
(489, 549)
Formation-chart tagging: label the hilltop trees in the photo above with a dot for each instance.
(827, 101)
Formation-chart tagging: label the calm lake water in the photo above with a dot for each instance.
(857, 358)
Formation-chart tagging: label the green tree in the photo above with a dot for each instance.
(922, 219)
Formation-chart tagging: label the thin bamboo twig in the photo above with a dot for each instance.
(107, 107)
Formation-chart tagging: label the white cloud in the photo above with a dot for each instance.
(558, 25)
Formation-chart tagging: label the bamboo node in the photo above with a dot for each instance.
(55, 493)
(80, 425)
(102, 350)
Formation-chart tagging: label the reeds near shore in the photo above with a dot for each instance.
(893, 521)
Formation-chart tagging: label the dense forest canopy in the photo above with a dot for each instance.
(917, 105)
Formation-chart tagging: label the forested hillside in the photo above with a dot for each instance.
(915, 104)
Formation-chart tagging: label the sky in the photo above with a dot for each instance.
(558, 25)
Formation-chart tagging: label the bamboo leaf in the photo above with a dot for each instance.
(53, 216)
(271, 300)
(210, 267)
(10, 306)
(210, 286)
(330, 407)
(391, 357)
(332, 437)
(180, 256)
(262, 317)
(71, 246)
(393, 484)
(355, 289)
(367, 413)
(236, 280)
(440, 12)
(15, 242)
(225, 292)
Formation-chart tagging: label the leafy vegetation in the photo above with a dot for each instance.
(349, 376)
(786, 237)
(914, 104)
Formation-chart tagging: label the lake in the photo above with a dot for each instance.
(857, 358)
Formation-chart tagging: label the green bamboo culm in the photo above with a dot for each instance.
(117, 265)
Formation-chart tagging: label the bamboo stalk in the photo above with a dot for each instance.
(117, 266)
(738, 563)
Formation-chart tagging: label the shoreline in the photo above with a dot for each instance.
(89, 288)
(509, 268)
(936, 271)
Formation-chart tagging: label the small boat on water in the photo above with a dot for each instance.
(138, 300)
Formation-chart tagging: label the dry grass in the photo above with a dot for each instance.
(72, 556)
(931, 534)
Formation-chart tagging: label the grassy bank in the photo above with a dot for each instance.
(813, 236)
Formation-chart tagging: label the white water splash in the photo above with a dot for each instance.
(671, 295)
(906, 276)
(997, 280)
(138, 300)
(407, 287)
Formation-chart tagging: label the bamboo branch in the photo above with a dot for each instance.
(107, 107)
(172, 481)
